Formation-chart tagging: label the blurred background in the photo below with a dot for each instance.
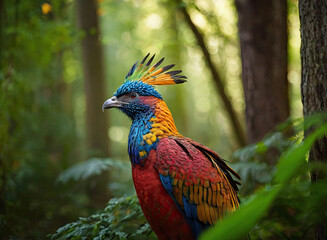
(62, 158)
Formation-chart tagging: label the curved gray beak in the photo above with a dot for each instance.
(112, 102)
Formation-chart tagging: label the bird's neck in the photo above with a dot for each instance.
(147, 129)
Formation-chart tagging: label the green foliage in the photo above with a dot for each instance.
(287, 205)
(239, 223)
(42, 117)
(86, 169)
(121, 219)
(292, 161)
(37, 133)
(294, 213)
(252, 161)
(120, 174)
(284, 195)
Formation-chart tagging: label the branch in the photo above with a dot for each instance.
(236, 125)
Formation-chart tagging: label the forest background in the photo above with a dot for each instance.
(62, 159)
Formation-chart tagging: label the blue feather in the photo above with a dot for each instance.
(192, 217)
(189, 211)
(166, 181)
(141, 88)
(136, 144)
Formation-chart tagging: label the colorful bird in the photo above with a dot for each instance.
(183, 187)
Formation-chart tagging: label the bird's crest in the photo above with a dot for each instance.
(147, 74)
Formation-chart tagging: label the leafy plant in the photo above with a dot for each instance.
(121, 219)
(252, 161)
(89, 168)
(288, 169)
(120, 180)
(287, 206)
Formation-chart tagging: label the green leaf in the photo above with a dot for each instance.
(121, 219)
(91, 167)
(261, 147)
(294, 159)
(239, 223)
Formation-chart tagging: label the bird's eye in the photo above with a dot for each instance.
(133, 95)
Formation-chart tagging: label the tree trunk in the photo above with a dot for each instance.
(313, 18)
(3, 172)
(94, 81)
(263, 40)
(94, 84)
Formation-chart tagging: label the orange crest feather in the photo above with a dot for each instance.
(148, 75)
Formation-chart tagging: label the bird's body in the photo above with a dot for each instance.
(183, 187)
(158, 207)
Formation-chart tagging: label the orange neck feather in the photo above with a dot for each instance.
(163, 124)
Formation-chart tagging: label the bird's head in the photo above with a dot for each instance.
(137, 95)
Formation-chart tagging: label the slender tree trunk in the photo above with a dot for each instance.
(263, 40)
(94, 80)
(313, 18)
(2, 161)
(2, 19)
(219, 83)
(94, 84)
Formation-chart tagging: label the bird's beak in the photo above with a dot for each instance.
(112, 103)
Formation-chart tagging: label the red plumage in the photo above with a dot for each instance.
(159, 208)
(183, 161)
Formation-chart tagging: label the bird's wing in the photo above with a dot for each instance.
(197, 179)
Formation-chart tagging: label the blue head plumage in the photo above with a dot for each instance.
(140, 88)
(137, 98)
(139, 81)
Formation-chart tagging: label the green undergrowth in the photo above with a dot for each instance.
(121, 219)
(277, 201)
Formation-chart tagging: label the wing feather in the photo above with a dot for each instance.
(197, 179)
